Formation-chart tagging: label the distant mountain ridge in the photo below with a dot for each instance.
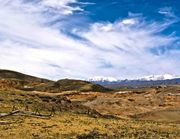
(102, 79)
(146, 78)
(159, 77)
(151, 80)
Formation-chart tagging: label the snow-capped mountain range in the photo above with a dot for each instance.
(146, 78)
(102, 79)
(151, 80)
(159, 77)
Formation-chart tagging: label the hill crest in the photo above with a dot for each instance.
(17, 80)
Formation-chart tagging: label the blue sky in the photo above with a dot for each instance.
(86, 38)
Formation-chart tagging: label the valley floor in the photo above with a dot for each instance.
(67, 125)
(151, 113)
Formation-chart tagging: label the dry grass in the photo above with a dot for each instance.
(68, 125)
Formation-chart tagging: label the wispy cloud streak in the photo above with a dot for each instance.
(123, 49)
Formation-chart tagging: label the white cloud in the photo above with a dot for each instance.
(129, 21)
(61, 6)
(52, 6)
(127, 48)
(114, 36)
(120, 49)
(167, 11)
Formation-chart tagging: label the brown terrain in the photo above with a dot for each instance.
(159, 104)
(35, 103)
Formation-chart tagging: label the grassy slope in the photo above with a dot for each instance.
(13, 75)
(67, 124)
(71, 85)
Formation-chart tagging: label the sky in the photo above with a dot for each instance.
(81, 39)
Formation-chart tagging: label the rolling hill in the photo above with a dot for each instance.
(12, 79)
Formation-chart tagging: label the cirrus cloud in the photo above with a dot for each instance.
(122, 49)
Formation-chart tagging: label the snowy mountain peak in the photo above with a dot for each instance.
(146, 78)
(102, 79)
(158, 77)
